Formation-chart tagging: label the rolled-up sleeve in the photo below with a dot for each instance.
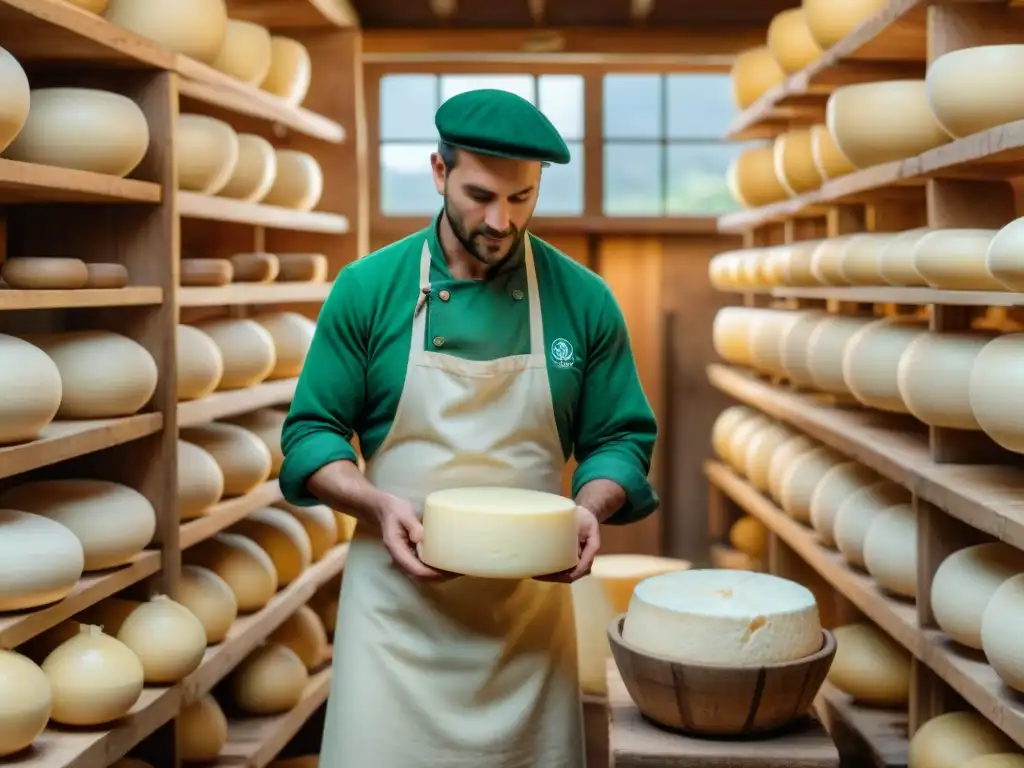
(615, 427)
(330, 392)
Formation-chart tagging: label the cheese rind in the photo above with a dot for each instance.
(723, 617)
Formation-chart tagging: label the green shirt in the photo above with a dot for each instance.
(355, 370)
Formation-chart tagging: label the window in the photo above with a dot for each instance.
(664, 147)
(408, 136)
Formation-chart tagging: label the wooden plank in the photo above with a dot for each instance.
(31, 183)
(253, 293)
(129, 296)
(234, 402)
(867, 737)
(192, 205)
(226, 513)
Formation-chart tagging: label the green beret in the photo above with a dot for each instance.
(494, 122)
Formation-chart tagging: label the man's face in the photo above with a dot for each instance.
(489, 201)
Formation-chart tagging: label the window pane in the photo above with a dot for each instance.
(699, 106)
(632, 179)
(407, 106)
(406, 183)
(521, 85)
(561, 186)
(697, 176)
(632, 106)
(560, 97)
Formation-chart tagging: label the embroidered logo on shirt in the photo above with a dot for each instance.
(562, 354)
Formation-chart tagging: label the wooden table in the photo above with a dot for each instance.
(635, 742)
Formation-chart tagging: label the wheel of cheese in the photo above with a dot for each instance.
(996, 375)
(859, 263)
(205, 272)
(723, 618)
(266, 424)
(774, 267)
(305, 635)
(291, 70)
(299, 183)
(46, 273)
(254, 173)
(320, 526)
(202, 731)
(325, 603)
(302, 268)
(828, 159)
(858, 512)
(766, 342)
(106, 276)
(195, 28)
(200, 481)
(749, 536)
(969, 91)
(14, 98)
(245, 52)
(242, 564)
(199, 361)
(282, 537)
(210, 599)
(725, 423)
(254, 267)
(795, 345)
(954, 259)
(752, 178)
(754, 72)
(246, 348)
(890, 550)
(24, 702)
(796, 263)
(112, 521)
(501, 533)
(837, 485)
(760, 449)
(30, 390)
(292, 334)
(720, 270)
(791, 42)
(120, 387)
(739, 441)
(1003, 258)
(207, 151)
(832, 20)
(871, 361)
(784, 456)
(896, 258)
(880, 122)
(1000, 638)
(870, 666)
(826, 348)
(84, 129)
(730, 333)
(241, 455)
(94, 678)
(950, 740)
(934, 378)
(827, 260)
(963, 585)
(270, 680)
(592, 613)
(41, 560)
(801, 478)
(619, 574)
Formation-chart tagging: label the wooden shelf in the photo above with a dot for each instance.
(192, 205)
(130, 296)
(226, 513)
(32, 183)
(235, 402)
(254, 293)
(885, 294)
(875, 737)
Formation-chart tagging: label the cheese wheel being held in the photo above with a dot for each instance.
(200, 481)
(270, 680)
(41, 560)
(890, 550)
(25, 702)
(243, 458)
(723, 617)
(242, 564)
(246, 348)
(950, 740)
(619, 574)
(1000, 632)
(31, 386)
(503, 533)
(202, 731)
(200, 363)
(266, 424)
(210, 600)
(835, 487)
(304, 634)
(292, 334)
(860, 510)
(870, 666)
(282, 537)
(320, 525)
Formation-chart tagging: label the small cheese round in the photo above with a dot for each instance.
(830, 162)
(950, 740)
(304, 633)
(255, 171)
(752, 179)
(835, 487)
(246, 348)
(619, 574)
(870, 666)
(210, 600)
(195, 28)
(200, 363)
(282, 537)
(270, 680)
(30, 390)
(825, 351)
(760, 449)
(890, 550)
(299, 182)
(784, 456)
(320, 525)
(207, 152)
(765, 349)
(723, 617)
(754, 72)
(41, 560)
(801, 478)
(741, 438)
(25, 702)
(245, 52)
(790, 40)
(44, 273)
(964, 583)
(266, 424)
(795, 345)
(725, 423)
(749, 536)
(494, 532)
(242, 564)
(871, 361)
(202, 731)
(14, 98)
(1000, 628)
(292, 334)
(856, 515)
(200, 481)
(291, 70)
(243, 458)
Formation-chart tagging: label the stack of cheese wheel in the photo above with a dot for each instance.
(304, 634)
(995, 375)
(25, 702)
(783, 459)
(245, 52)
(724, 426)
(255, 170)
(801, 478)
(827, 260)
(870, 666)
(872, 357)
(242, 457)
(830, 162)
(730, 332)
(754, 72)
(793, 154)
(207, 152)
(795, 345)
(210, 600)
(859, 261)
(859, 511)
(826, 348)
(320, 524)
(266, 424)
(14, 98)
(835, 487)
(739, 442)
(269, 681)
(890, 550)
(202, 731)
(292, 335)
(896, 259)
(958, 740)
(246, 348)
(765, 341)
(243, 565)
(761, 449)
(282, 537)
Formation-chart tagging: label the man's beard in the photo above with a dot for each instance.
(468, 239)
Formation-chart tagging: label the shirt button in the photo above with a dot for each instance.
(444, 295)
(517, 294)
(438, 341)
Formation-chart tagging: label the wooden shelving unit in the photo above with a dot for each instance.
(147, 224)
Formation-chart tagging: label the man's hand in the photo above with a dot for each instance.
(401, 531)
(588, 528)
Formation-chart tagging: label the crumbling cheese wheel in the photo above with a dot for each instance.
(964, 583)
(254, 173)
(266, 424)
(954, 259)
(880, 122)
(210, 599)
(760, 449)
(14, 98)
(727, 421)
(995, 376)
(749, 536)
(830, 162)
(790, 40)
(754, 72)
(95, 679)
(890, 550)
(241, 455)
(860, 510)
(1000, 634)
(832, 20)
(826, 349)
(934, 377)
(801, 478)
(282, 537)
(24, 702)
(793, 154)
(291, 70)
(305, 635)
(83, 129)
(202, 731)
(113, 522)
(246, 348)
(320, 526)
(31, 386)
(270, 680)
(950, 740)
(120, 387)
(292, 334)
(41, 560)
(752, 178)
(207, 151)
(299, 183)
(871, 361)
(784, 456)
(242, 564)
(200, 481)
(896, 258)
(835, 487)
(969, 89)
(796, 344)
(45, 273)
(245, 52)
(619, 574)
(195, 28)
(504, 533)
(1003, 259)
(200, 364)
(592, 612)
(870, 666)
(723, 617)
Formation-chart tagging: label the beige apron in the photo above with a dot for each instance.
(469, 673)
